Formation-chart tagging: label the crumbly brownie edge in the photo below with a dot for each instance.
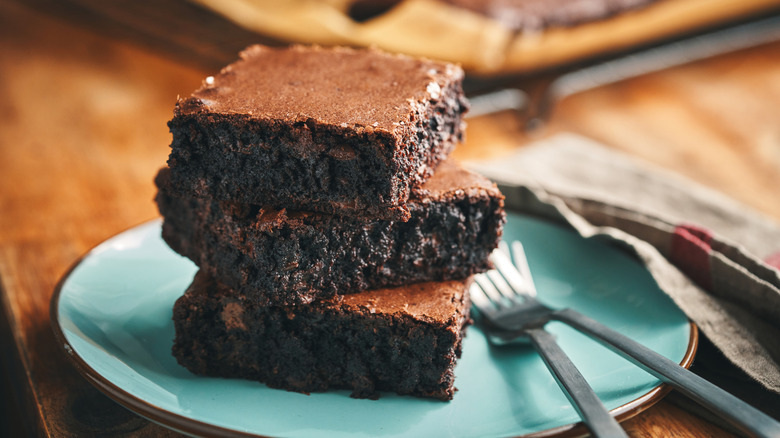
(437, 127)
(301, 165)
(298, 260)
(317, 347)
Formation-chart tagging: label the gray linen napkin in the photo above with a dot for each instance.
(713, 256)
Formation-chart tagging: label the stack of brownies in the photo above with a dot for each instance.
(334, 237)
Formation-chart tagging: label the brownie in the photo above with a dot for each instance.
(404, 340)
(338, 131)
(535, 15)
(294, 257)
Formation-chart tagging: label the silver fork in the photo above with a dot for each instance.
(508, 310)
(511, 313)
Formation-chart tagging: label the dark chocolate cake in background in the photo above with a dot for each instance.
(493, 39)
(535, 15)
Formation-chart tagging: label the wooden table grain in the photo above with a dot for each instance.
(83, 131)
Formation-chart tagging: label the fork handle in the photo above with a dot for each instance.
(593, 413)
(746, 418)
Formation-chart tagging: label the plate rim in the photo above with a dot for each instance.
(190, 426)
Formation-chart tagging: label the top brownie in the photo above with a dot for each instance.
(338, 131)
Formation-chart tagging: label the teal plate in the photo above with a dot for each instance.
(112, 314)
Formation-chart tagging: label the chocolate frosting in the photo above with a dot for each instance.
(336, 86)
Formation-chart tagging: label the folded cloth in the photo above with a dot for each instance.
(716, 259)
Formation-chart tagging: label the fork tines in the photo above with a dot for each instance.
(506, 285)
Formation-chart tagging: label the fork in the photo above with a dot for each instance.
(508, 311)
(512, 297)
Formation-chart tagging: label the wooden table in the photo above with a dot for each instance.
(83, 130)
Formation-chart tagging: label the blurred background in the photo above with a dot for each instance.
(718, 59)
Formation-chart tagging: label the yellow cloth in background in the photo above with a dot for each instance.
(480, 44)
